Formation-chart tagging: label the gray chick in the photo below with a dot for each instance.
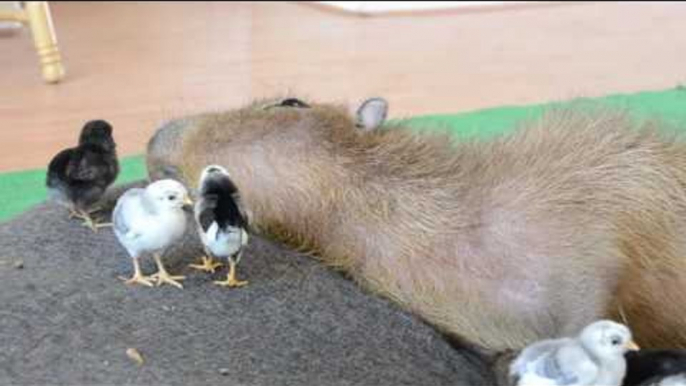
(595, 357)
(222, 222)
(150, 220)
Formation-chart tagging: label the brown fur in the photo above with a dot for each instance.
(530, 236)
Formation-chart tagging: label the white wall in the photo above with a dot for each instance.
(391, 6)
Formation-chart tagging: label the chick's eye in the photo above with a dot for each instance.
(171, 198)
(616, 341)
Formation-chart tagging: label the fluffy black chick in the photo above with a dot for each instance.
(79, 176)
(222, 222)
(655, 367)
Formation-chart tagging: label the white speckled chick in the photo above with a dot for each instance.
(151, 220)
(595, 357)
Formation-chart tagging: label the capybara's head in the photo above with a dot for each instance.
(179, 142)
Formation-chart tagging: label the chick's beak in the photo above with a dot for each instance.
(632, 346)
(187, 201)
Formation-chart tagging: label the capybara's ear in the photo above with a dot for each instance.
(372, 114)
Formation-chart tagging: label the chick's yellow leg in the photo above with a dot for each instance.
(138, 277)
(94, 225)
(208, 264)
(162, 276)
(87, 220)
(94, 209)
(231, 280)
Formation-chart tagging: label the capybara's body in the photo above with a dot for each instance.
(529, 236)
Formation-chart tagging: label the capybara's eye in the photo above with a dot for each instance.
(294, 102)
(289, 102)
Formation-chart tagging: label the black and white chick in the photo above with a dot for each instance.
(79, 176)
(655, 367)
(222, 222)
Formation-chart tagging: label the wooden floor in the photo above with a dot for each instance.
(137, 64)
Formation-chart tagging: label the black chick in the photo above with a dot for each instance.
(222, 222)
(655, 367)
(79, 176)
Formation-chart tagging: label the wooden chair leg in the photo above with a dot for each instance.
(40, 23)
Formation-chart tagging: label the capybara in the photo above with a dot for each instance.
(574, 217)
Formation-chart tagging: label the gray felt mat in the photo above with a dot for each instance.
(67, 319)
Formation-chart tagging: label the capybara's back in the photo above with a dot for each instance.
(533, 235)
